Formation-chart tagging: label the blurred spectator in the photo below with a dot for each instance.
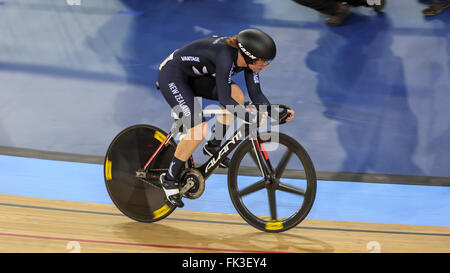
(339, 10)
(436, 7)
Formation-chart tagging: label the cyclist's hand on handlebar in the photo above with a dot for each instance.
(291, 115)
(286, 114)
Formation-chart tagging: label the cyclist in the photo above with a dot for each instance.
(203, 68)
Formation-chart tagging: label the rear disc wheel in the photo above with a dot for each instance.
(141, 199)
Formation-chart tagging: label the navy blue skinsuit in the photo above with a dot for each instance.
(204, 68)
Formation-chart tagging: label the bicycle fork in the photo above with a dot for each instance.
(270, 181)
(262, 158)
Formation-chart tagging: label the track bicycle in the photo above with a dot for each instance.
(270, 197)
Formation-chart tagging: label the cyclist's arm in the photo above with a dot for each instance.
(254, 87)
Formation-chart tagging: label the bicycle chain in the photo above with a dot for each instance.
(150, 183)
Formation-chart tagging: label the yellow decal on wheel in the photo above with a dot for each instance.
(161, 212)
(159, 136)
(274, 225)
(108, 164)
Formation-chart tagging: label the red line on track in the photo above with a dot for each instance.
(131, 244)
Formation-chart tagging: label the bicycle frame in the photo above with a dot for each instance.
(207, 168)
(228, 146)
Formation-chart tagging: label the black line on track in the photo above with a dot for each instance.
(227, 223)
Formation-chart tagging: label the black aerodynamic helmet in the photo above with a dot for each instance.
(255, 44)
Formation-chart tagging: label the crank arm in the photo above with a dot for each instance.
(187, 187)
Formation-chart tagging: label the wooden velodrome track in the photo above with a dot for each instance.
(47, 226)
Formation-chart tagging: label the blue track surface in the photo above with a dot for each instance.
(371, 96)
(343, 201)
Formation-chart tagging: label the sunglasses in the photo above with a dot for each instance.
(264, 64)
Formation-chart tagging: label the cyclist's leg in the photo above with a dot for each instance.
(180, 96)
(190, 142)
(206, 88)
(193, 120)
(226, 120)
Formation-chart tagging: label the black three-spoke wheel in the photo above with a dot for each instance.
(275, 168)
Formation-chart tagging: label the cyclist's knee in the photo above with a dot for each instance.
(204, 129)
(225, 118)
(198, 132)
(237, 94)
